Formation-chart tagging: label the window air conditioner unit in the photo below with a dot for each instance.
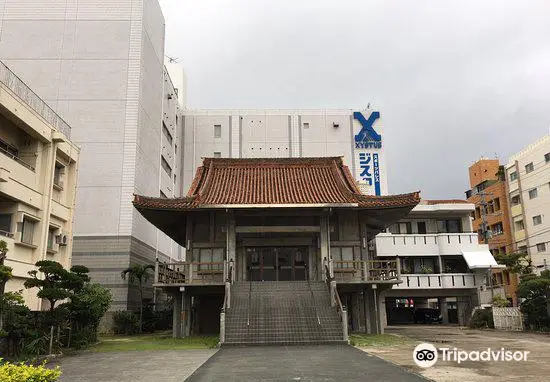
(61, 239)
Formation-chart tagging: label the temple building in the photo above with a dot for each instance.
(272, 248)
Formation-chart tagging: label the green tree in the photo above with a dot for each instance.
(86, 308)
(534, 291)
(53, 285)
(516, 262)
(5, 275)
(141, 274)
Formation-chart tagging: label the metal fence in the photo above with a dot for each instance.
(16, 85)
(508, 319)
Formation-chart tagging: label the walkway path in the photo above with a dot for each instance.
(133, 366)
(299, 363)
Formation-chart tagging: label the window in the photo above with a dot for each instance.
(306, 125)
(167, 133)
(547, 157)
(217, 131)
(515, 200)
(342, 254)
(5, 224)
(27, 230)
(496, 204)
(217, 154)
(405, 228)
(537, 220)
(51, 238)
(533, 193)
(477, 213)
(529, 167)
(497, 229)
(449, 226)
(513, 176)
(541, 247)
(176, 149)
(421, 228)
(519, 225)
(58, 175)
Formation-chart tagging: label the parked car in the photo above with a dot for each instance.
(427, 316)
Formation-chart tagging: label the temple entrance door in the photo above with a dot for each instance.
(276, 263)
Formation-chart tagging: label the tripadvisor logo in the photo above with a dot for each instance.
(426, 355)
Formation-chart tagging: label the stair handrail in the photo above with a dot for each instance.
(312, 296)
(342, 311)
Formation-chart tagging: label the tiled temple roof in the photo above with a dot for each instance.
(226, 183)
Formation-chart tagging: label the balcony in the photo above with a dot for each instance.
(439, 281)
(362, 271)
(191, 273)
(425, 245)
(25, 93)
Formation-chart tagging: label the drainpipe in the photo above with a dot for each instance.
(56, 139)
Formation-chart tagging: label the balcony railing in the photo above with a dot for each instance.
(425, 245)
(16, 85)
(199, 273)
(350, 271)
(6, 234)
(439, 281)
(8, 153)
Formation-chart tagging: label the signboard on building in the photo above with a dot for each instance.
(367, 154)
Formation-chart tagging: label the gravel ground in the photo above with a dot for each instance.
(536, 368)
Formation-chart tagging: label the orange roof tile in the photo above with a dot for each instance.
(275, 181)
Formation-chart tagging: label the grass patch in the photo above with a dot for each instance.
(377, 340)
(152, 342)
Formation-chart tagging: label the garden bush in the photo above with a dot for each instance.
(125, 322)
(482, 318)
(10, 372)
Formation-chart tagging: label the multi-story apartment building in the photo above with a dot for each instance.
(101, 65)
(38, 180)
(443, 265)
(492, 219)
(528, 183)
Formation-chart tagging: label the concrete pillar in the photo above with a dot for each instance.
(444, 309)
(366, 310)
(355, 312)
(177, 314)
(382, 312)
(462, 305)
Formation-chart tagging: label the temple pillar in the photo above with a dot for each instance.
(177, 315)
(232, 242)
(324, 244)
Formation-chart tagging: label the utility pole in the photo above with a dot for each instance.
(486, 234)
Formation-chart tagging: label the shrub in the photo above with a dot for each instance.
(156, 320)
(482, 318)
(10, 372)
(125, 322)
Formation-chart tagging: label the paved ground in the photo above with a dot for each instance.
(134, 366)
(537, 368)
(299, 363)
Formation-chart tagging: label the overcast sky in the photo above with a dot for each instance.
(453, 80)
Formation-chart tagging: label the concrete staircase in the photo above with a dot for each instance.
(281, 312)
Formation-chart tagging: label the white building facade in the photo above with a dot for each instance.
(101, 65)
(442, 264)
(38, 174)
(528, 186)
(357, 136)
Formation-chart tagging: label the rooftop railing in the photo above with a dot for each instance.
(16, 85)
